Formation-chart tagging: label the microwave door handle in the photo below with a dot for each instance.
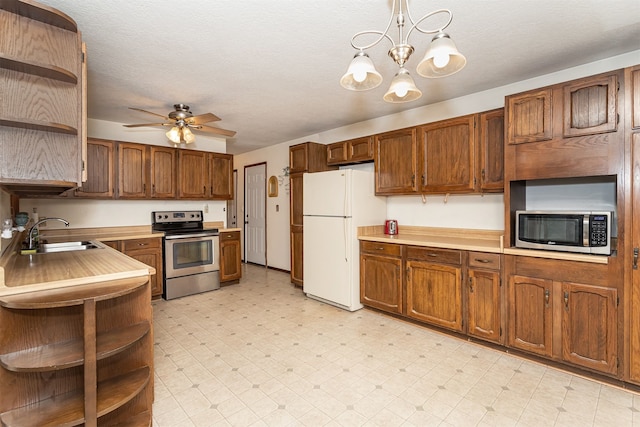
(585, 231)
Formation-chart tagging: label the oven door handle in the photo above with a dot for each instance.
(188, 236)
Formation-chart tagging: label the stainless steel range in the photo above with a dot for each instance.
(191, 258)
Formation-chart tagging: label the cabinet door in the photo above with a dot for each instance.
(381, 282)
(530, 314)
(590, 106)
(147, 251)
(221, 176)
(297, 273)
(633, 261)
(396, 162)
(295, 195)
(434, 294)
(337, 153)
(484, 304)
(635, 97)
(99, 183)
(230, 265)
(298, 158)
(448, 156)
(163, 165)
(589, 326)
(192, 174)
(132, 171)
(492, 151)
(360, 149)
(529, 117)
(152, 259)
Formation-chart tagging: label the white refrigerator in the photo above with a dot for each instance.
(334, 205)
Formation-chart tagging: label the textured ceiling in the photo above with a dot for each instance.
(270, 69)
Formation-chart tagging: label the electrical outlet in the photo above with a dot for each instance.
(206, 208)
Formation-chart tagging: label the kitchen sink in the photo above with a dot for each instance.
(83, 245)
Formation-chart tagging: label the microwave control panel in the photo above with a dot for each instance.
(598, 230)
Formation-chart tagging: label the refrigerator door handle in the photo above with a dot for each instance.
(344, 239)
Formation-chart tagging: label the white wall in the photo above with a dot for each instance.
(114, 213)
(464, 211)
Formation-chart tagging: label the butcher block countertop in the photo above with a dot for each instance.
(450, 238)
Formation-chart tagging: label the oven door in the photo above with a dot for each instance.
(191, 254)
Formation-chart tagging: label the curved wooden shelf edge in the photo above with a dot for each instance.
(37, 69)
(68, 409)
(58, 356)
(39, 12)
(74, 295)
(38, 125)
(142, 419)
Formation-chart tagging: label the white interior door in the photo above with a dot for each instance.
(255, 224)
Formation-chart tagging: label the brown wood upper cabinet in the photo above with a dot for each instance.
(396, 162)
(448, 156)
(163, 166)
(100, 171)
(352, 151)
(221, 176)
(193, 174)
(590, 106)
(132, 171)
(529, 116)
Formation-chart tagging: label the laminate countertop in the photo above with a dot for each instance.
(462, 239)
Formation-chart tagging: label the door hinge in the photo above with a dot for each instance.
(83, 166)
(617, 301)
(618, 118)
(500, 281)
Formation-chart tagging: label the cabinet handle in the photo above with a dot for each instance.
(566, 301)
(433, 255)
(483, 261)
(380, 248)
(422, 179)
(635, 258)
(470, 284)
(546, 298)
(413, 180)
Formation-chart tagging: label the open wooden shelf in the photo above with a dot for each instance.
(68, 409)
(37, 69)
(70, 296)
(68, 354)
(40, 12)
(24, 123)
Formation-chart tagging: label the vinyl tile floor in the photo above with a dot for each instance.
(259, 353)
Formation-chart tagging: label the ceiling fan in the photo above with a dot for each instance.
(182, 121)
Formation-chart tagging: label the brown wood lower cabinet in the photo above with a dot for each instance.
(79, 355)
(381, 276)
(230, 257)
(484, 308)
(147, 251)
(434, 286)
(563, 310)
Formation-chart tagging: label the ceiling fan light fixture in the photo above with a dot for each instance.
(187, 136)
(174, 135)
(442, 58)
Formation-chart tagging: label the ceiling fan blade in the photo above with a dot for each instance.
(137, 125)
(218, 131)
(149, 112)
(202, 118)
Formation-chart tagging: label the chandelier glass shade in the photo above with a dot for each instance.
(441, 59)
(180, 134)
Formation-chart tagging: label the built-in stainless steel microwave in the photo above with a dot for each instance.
(571, 231)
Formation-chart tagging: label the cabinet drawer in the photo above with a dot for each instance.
(137, 244)
(229, 235)
(446, 256)
(381, 248)
(484, 260)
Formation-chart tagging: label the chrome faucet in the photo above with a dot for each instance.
(31, 246)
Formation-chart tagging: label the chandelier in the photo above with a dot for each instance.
(440, 60)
